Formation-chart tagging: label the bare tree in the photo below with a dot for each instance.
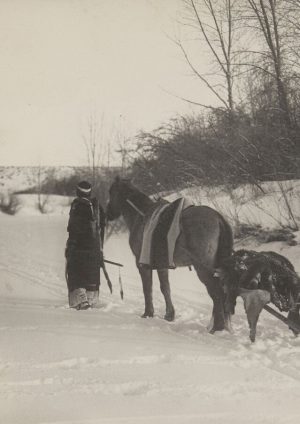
(45, 177)
(97, 148)
(214, 25)
(41, 200)
(9, 204)
(268, 20)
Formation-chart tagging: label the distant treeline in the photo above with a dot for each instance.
(47, 183)
(64, 186)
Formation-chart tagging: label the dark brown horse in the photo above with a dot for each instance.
(204, 242)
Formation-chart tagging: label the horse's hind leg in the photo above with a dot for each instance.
(163, 276)
(219, 320)
(146, 276)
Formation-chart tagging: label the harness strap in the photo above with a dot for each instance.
(135, 207)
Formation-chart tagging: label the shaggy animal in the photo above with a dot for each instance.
(204, 242)
(259, 278)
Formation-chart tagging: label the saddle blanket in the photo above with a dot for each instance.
(161, 231)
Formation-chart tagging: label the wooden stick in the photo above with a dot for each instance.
(113, 263)
(282, 318)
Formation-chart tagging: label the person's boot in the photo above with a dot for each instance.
(78, 299)
(83, 306)
(93, 297)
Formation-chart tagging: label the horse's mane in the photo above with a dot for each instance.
(132, 193)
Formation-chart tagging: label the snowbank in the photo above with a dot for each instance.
(248, 204)
(53, 204)
(28, 204)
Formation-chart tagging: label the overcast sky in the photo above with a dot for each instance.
(63, 60)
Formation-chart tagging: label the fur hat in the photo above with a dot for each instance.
(83, 189)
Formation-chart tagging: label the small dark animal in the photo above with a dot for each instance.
(261, 277)
(205, 241)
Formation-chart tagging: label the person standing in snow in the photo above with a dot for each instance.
(84, 250)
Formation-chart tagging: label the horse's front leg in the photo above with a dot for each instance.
(163, 276)
(146, 276)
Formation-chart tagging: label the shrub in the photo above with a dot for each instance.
(9, 204)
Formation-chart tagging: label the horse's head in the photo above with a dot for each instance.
(118, 193)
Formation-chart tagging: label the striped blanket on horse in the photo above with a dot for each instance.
(161, 231)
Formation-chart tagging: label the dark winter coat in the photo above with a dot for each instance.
(84, 246)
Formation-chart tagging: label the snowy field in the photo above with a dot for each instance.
(108, 365)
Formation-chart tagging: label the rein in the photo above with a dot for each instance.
(135, 207)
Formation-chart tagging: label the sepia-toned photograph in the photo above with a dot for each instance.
(149, 211)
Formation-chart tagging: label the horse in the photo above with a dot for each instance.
(205, 240)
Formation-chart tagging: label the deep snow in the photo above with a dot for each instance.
(108, 365)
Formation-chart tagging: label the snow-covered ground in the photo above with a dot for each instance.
(108, 365)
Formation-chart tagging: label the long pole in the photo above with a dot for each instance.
(282, 318)
(113, 263)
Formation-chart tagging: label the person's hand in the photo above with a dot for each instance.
(67, 252)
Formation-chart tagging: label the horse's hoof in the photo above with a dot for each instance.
(295, 332)
(252, 336)
(214, 329)
(214, 326)
(170, 317)
(146, 315)
(217, 327)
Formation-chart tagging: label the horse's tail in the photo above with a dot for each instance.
(225, 247)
